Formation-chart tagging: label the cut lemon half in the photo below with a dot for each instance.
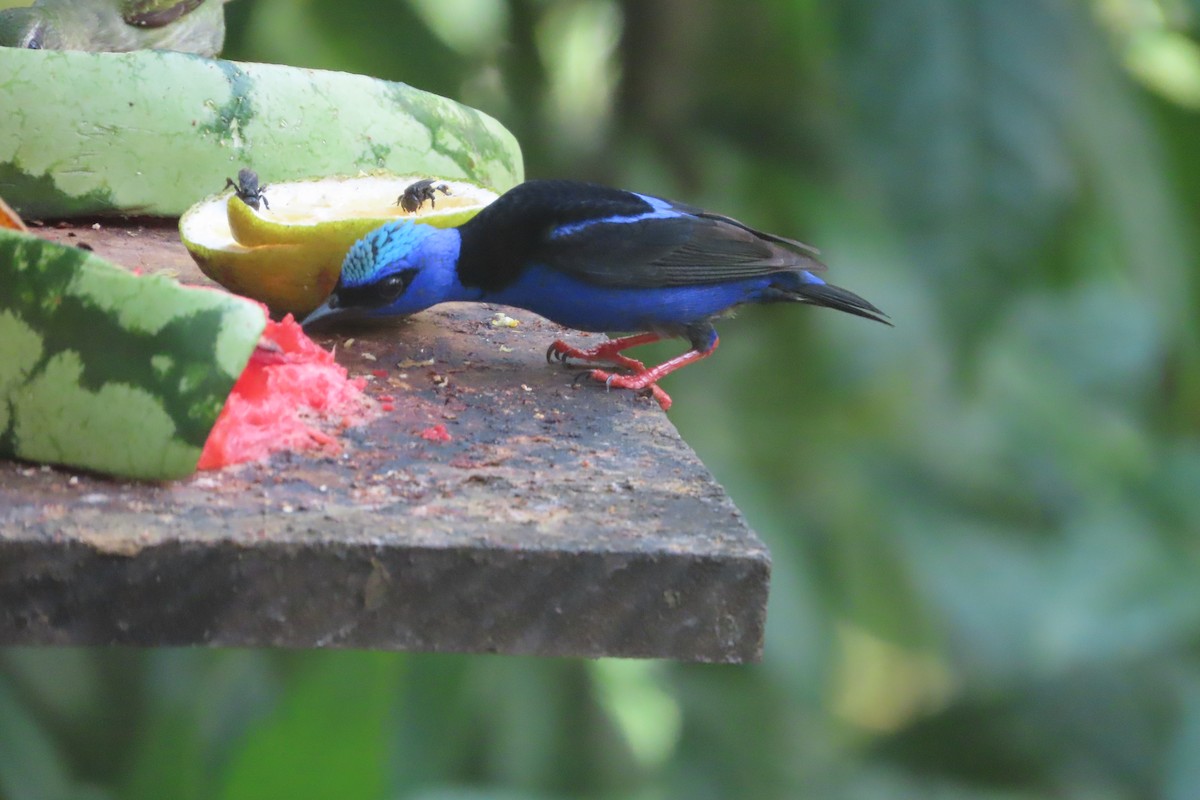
(288, 253)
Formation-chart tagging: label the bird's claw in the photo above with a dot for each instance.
(663, 399)
(557, 351)
(635, 381)
(561, 352)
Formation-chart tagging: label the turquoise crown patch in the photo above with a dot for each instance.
(382, 247)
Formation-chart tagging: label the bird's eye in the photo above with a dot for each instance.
(392, 287)
(34, 44)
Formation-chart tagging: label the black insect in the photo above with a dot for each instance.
(248, 189)
(419, 192)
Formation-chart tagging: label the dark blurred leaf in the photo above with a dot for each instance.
(31, 768)
(1181, 770)
(435, 733)
(499, 720)
(385, 40)
(986, 126)
(1100, 338)
(1016, 610)
(199, 705)
(449, 793)
(523, 705)
(63, 684)
(326, 739)
(521, 702)
(1138, 229)
(964, 113)
(1092, 733)
(169, 761)
(768, 744)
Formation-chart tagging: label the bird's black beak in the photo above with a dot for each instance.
(326, 310)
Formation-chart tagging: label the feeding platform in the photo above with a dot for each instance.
(558, 519)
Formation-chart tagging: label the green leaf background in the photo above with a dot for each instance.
(984, 521)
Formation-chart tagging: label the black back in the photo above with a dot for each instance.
(545, 221)
(502, 238)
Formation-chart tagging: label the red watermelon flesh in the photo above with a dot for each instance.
(292, 395)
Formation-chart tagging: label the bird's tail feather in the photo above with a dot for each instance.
(830, 296)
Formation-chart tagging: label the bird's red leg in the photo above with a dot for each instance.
(648, 378)
(609, 352)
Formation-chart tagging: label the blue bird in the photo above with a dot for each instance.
(591, 258)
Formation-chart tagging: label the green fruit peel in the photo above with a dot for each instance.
(152, 132)
(109, 371)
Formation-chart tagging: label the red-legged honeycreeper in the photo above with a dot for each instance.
(591, 258)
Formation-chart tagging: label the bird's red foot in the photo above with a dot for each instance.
(641, 380)
(608, 352)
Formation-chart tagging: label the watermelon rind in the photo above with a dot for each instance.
(152, 132)
(109, 371)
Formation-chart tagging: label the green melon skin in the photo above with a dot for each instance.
(109, 371)
(152, 132)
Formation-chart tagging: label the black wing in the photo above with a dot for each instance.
(611, 237)
(680, 249)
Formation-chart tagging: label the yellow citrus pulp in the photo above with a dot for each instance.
(288, 253)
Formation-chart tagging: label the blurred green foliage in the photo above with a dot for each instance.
(984, 521)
